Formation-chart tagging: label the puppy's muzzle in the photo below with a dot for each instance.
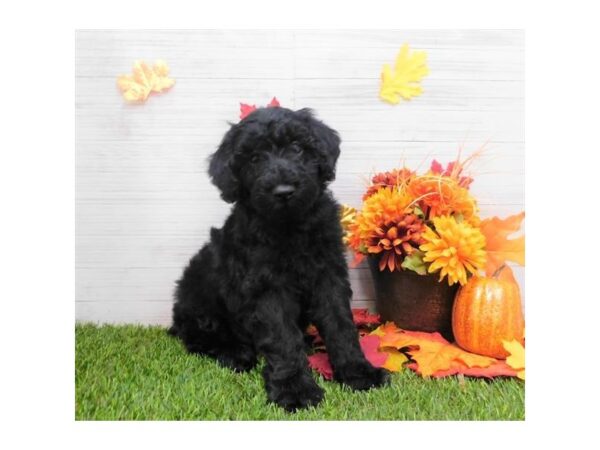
(284, 191)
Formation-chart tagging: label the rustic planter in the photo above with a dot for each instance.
(412, 301)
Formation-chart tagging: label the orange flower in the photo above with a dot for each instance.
(400, 239)
(439, 195)
(387, 227)
(455, 248)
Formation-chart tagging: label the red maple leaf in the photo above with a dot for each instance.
(320, 363)
(246, 110)
(436, 167)
(454, 170)
(361, 317)
(370, 347)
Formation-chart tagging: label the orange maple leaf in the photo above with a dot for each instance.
(499, 368)
(498, 247)
(392, 336)
(431, 352)
(433, 356)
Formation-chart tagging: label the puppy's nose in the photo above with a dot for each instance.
(283, 191)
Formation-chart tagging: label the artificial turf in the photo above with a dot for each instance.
(140, 373)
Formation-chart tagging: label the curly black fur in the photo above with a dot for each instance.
(278, 262)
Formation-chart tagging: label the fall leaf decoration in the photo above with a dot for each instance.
(145, 80)
(499, 248)
(433, 356)
(362, 317)
(246, 110)
(395, 360)
(320, 363)
(403, 81)
(497, 369)
(430, 351)
(516, 360)
(453, 170)
(428, 354)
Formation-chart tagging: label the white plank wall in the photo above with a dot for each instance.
(144, 203)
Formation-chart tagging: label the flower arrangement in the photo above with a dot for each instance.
(426, 223)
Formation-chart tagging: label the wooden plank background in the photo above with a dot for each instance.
(144, 203)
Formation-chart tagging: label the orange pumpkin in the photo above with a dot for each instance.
(486, 311)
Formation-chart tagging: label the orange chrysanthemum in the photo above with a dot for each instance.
(455, 249)
(397, 178)
(396, 240)
(439, 195)
(385, 205)
(387, 227)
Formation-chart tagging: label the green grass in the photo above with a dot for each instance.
(140, 373)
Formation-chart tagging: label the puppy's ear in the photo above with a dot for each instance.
(328, 143)
(220, 169)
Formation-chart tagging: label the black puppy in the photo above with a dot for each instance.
(278, 262)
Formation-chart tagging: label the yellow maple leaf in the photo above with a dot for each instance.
(144, 80)
(498, 247)
(516, 360)
(395, 359)
(403, 82)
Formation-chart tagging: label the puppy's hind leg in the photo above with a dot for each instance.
(199, 320)
(205, 335)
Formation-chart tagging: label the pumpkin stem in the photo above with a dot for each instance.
(498, 270)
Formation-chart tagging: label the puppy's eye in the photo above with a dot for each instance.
(255, 158)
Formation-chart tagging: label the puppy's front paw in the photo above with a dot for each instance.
(361, 376)
(296, 392)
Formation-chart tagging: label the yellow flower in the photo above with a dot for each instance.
(455, 248)
(347, 216)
